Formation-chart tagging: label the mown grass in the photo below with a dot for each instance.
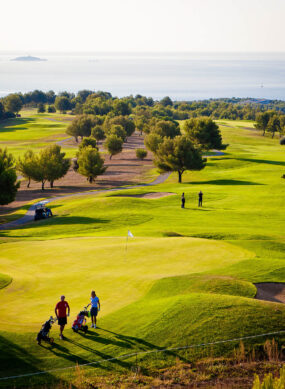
(186, 278)
(34, 131)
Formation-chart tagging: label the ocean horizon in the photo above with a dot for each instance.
(181, 75)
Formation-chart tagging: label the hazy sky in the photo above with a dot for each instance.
(142, 25)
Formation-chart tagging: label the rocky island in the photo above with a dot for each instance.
(28, 58)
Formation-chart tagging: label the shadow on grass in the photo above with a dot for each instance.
(278, 163)
(65, 220)
(223, 182)
(15, 360)
(7, 125)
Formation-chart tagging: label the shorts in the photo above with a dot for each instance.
(94, 311)
(61, 321)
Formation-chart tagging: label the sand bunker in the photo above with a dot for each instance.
(151, 195)
(271, 291)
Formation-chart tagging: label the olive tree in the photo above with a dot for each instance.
(113, 144)
(90, 163)
(27, 166)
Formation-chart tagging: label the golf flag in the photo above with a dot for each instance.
(130, 234)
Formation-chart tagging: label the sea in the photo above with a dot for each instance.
(182, 76)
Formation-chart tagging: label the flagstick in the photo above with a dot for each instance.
(126, 246)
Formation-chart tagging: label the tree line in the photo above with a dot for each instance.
(102, 103)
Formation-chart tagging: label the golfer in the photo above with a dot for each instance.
(200, 195)
(60, 312)
(95, 308)
(183, 200)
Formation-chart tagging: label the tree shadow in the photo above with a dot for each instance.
(65, 220)
(223, 182)
(10, 124)
(278, 163)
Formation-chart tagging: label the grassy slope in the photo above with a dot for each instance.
(210, 296)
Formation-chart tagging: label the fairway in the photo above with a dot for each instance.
(34, 131)
(186, 277)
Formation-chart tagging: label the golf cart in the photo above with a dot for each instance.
(41, 211)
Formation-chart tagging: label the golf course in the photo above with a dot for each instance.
(186, 277)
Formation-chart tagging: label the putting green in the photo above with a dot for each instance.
(43, 270)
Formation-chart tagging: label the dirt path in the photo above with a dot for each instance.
(271, 291)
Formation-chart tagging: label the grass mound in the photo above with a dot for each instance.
(201, 283)
(4, 280)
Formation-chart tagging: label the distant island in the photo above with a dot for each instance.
(28, 58)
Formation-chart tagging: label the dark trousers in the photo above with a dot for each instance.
(200, 203)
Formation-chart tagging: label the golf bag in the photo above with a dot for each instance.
(79, 323)
(44, 332)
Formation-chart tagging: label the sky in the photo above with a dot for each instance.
(142, 26)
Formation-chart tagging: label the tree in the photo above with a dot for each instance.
(90, 163)
(98, 133)
(262, 120)
(178, 154)
(41, 108)
(81, 126)
(166, 128)
(118, 130)
(166, 101)
(124, 121)
(8, 178)
(50, 165)
(113, 144)
(273, 125)
(13, 103)
(88, 142)
(152, 141)
(121, 107)
(204, 132)
(27, 166)
(62, 103)
(141, 153)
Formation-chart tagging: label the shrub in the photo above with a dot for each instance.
(51, 109)
(141, 153)
(269, 382)
(41, 108)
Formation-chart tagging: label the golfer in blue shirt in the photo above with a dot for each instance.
(95, 308)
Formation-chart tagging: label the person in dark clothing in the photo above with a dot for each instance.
(200, 195)
(183, 201)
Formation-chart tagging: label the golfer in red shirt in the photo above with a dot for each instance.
(60, 311)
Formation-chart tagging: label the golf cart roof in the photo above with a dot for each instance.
(41, 204)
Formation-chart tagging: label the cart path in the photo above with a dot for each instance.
(271, 291)
(29, 216)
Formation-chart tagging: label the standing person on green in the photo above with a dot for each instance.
(200, 195)
(95, 308)
(60, 312)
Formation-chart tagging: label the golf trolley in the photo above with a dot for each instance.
(43, 335)
(79, 323)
